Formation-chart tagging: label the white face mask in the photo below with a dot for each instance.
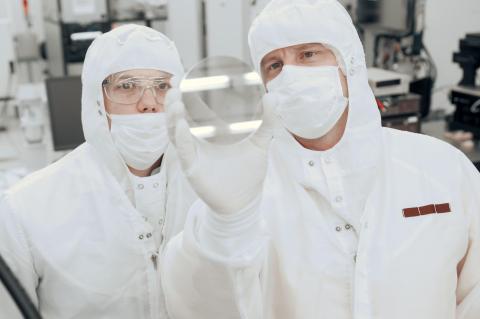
(310, 99)
(140, 138)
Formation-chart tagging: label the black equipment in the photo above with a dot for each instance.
(469, 58)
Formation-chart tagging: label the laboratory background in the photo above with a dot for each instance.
(423, 58)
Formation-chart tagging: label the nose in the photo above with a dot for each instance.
(148, 103)
(289, 58)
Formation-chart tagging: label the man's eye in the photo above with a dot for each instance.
(275, 66)
(309, 54)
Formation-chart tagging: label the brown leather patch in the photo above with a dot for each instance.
(411, 212)
(425, 210)
(443, 208)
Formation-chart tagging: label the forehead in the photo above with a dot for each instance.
(143, 73)
(294, 48)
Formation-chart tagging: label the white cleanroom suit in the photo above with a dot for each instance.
(386, 224)
(83, 235)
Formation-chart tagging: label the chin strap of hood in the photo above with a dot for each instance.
(124, 48)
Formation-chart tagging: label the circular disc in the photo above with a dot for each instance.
(222, 97)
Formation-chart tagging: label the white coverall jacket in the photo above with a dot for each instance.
(71, 232)
(384, 225)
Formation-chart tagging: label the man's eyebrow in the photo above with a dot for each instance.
(310, 45)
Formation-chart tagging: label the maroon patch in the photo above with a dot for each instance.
(411, 212)
(425, 210)
(443, 208)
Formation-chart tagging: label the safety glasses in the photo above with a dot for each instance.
(121, 88)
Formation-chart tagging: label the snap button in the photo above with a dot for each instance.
(140, 186)
(348, 226)
(100, 112)
(149, 235)
(311, 163)
(155, 185)
(338, 228)
(140, 236)
(161, 221)
(98, 103)
(328, 160)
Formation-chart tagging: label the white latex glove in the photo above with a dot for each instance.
(228, 178)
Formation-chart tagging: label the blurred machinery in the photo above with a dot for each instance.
(64, 105)
(397, 31)
(388, 83)
(466, 96)
(399, 108)
(72, 25)
(401, 112)
(7, 65)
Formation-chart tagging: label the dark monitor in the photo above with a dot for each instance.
(64, 96)
(391, 15)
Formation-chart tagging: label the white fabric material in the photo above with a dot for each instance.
(419, 267)
(140, 138)
(239, 169)
(150, 200)
(71, 231)
(310, 99)
(305, 262)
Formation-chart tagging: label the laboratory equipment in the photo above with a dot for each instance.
(64, 96)
(72, 25)
(466, 96)
(467, 110)
(401, 112)
(222, 98)
(397, 30)
(30, 100)
(469, 58)
(393, 15)
(27, 50)
(388, 83)
(7, 67)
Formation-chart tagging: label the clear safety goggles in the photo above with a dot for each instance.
(121, 88)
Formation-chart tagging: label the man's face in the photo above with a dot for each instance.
(136, 91)
(309, 54)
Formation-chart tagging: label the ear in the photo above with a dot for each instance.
(344, 83)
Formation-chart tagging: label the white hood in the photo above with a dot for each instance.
(285, 23)
(124, 48)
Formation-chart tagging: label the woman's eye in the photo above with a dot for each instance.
(127, 85)
(163, 86)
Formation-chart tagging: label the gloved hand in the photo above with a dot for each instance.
(228, 178)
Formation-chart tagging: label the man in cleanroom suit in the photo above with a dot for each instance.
(85, 235)
(333, 217)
